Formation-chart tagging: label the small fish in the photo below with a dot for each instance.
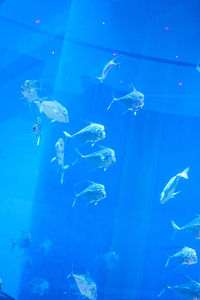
(39, 286)
(103, 158)
(60, 157)
(169, 190)
(107, 68)
(53, 110)
(24, 240)
(133, 101)
(86, 285)
(89, 134)
(94, 193)
(30, 90)
(188, 291)
(111, 259)
(37, 129)
(186, 256)
(192, 227)
(45, 247)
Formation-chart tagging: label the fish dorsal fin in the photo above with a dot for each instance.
(116, 58)
(91, 182)
(132, 87)
(87, 122)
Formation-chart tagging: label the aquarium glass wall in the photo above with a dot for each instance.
(100, 149)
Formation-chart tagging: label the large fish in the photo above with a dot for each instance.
(133, 101)
(192, 227)
(86, 285)
(169, 190)
(60, 157)
(94, 193)
(107, 68)
(89, 134)
(103, 158)
(53, 110)
(186, 256)
(188, 291)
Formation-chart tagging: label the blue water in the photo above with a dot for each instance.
(66, 44)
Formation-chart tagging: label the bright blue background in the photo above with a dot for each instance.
(159, 142)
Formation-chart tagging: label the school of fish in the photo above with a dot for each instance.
(93, 193)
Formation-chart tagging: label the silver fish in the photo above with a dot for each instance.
(192, 227)
(86, 285)
(37, 129)
(24, 240)
(188, 291)
(133, 101)
(53, 110)
(186, 256)
(39, 286)
(169, 190)
(103, 158)
(94, 193)
(60, 157)
(89, 134)
(107, 68)
(30, 90)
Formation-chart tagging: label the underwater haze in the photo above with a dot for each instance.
(100, 150)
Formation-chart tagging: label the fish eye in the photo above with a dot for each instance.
(99, 133)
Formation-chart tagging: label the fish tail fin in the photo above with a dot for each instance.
(53, 159)
(184, 174)
(62, 177)
(70, 274)
(176, 229)
(38, 140)
(79, 156)
(73, 204)
(69, 136)
(166, 287)
(167, 263)
(64, 168)
(78, 153)
(100, 78)
(111, 104)
(38, 103)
